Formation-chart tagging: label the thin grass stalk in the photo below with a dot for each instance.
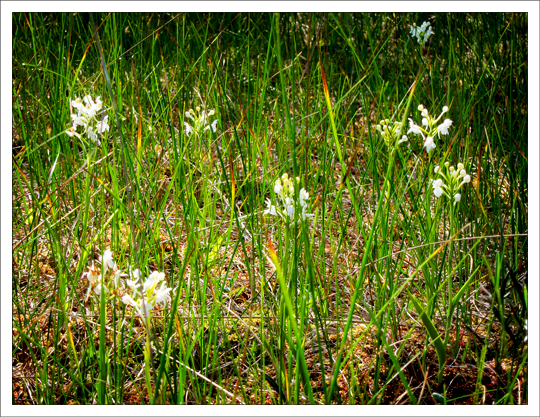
(126, 179)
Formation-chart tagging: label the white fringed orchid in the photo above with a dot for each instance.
(106, 276)
(200, 120)
(454, 179)
(290, 204)
(429, 128)
(391, 132)
(87, 117)
(421, 33)
(144, 298)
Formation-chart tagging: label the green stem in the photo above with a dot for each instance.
(449, 277)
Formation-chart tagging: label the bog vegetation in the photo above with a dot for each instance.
(270, 208)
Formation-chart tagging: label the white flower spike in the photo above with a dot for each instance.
(87, 117)
(422, 33)
(150, 295)
(290, 203)
(201, 123)
(454, 179)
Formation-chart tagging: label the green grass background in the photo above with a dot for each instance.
(350, 310)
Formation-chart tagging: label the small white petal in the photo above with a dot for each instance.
(429, 144)
(413, 128)
(290, 211)
(270, 208)
(126, 299)
(189, 129)
(162, 295)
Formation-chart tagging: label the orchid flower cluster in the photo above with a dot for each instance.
(429, 130)
(110, 278)
(284, 188)
(201, 121)
(422, 33)
(87, 117)
(143, 298)
(454, 179)
(391, 132)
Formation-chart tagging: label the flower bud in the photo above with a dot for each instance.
(460, 166)
(467, 178)
(445, 109)
(437, 169)
(420, 107)
(457, 197)
(447, 164)
(462, 173)
(424, 112)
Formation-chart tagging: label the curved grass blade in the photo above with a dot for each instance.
(433, 333)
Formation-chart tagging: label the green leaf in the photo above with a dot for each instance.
(433, 333)
(440, 399)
